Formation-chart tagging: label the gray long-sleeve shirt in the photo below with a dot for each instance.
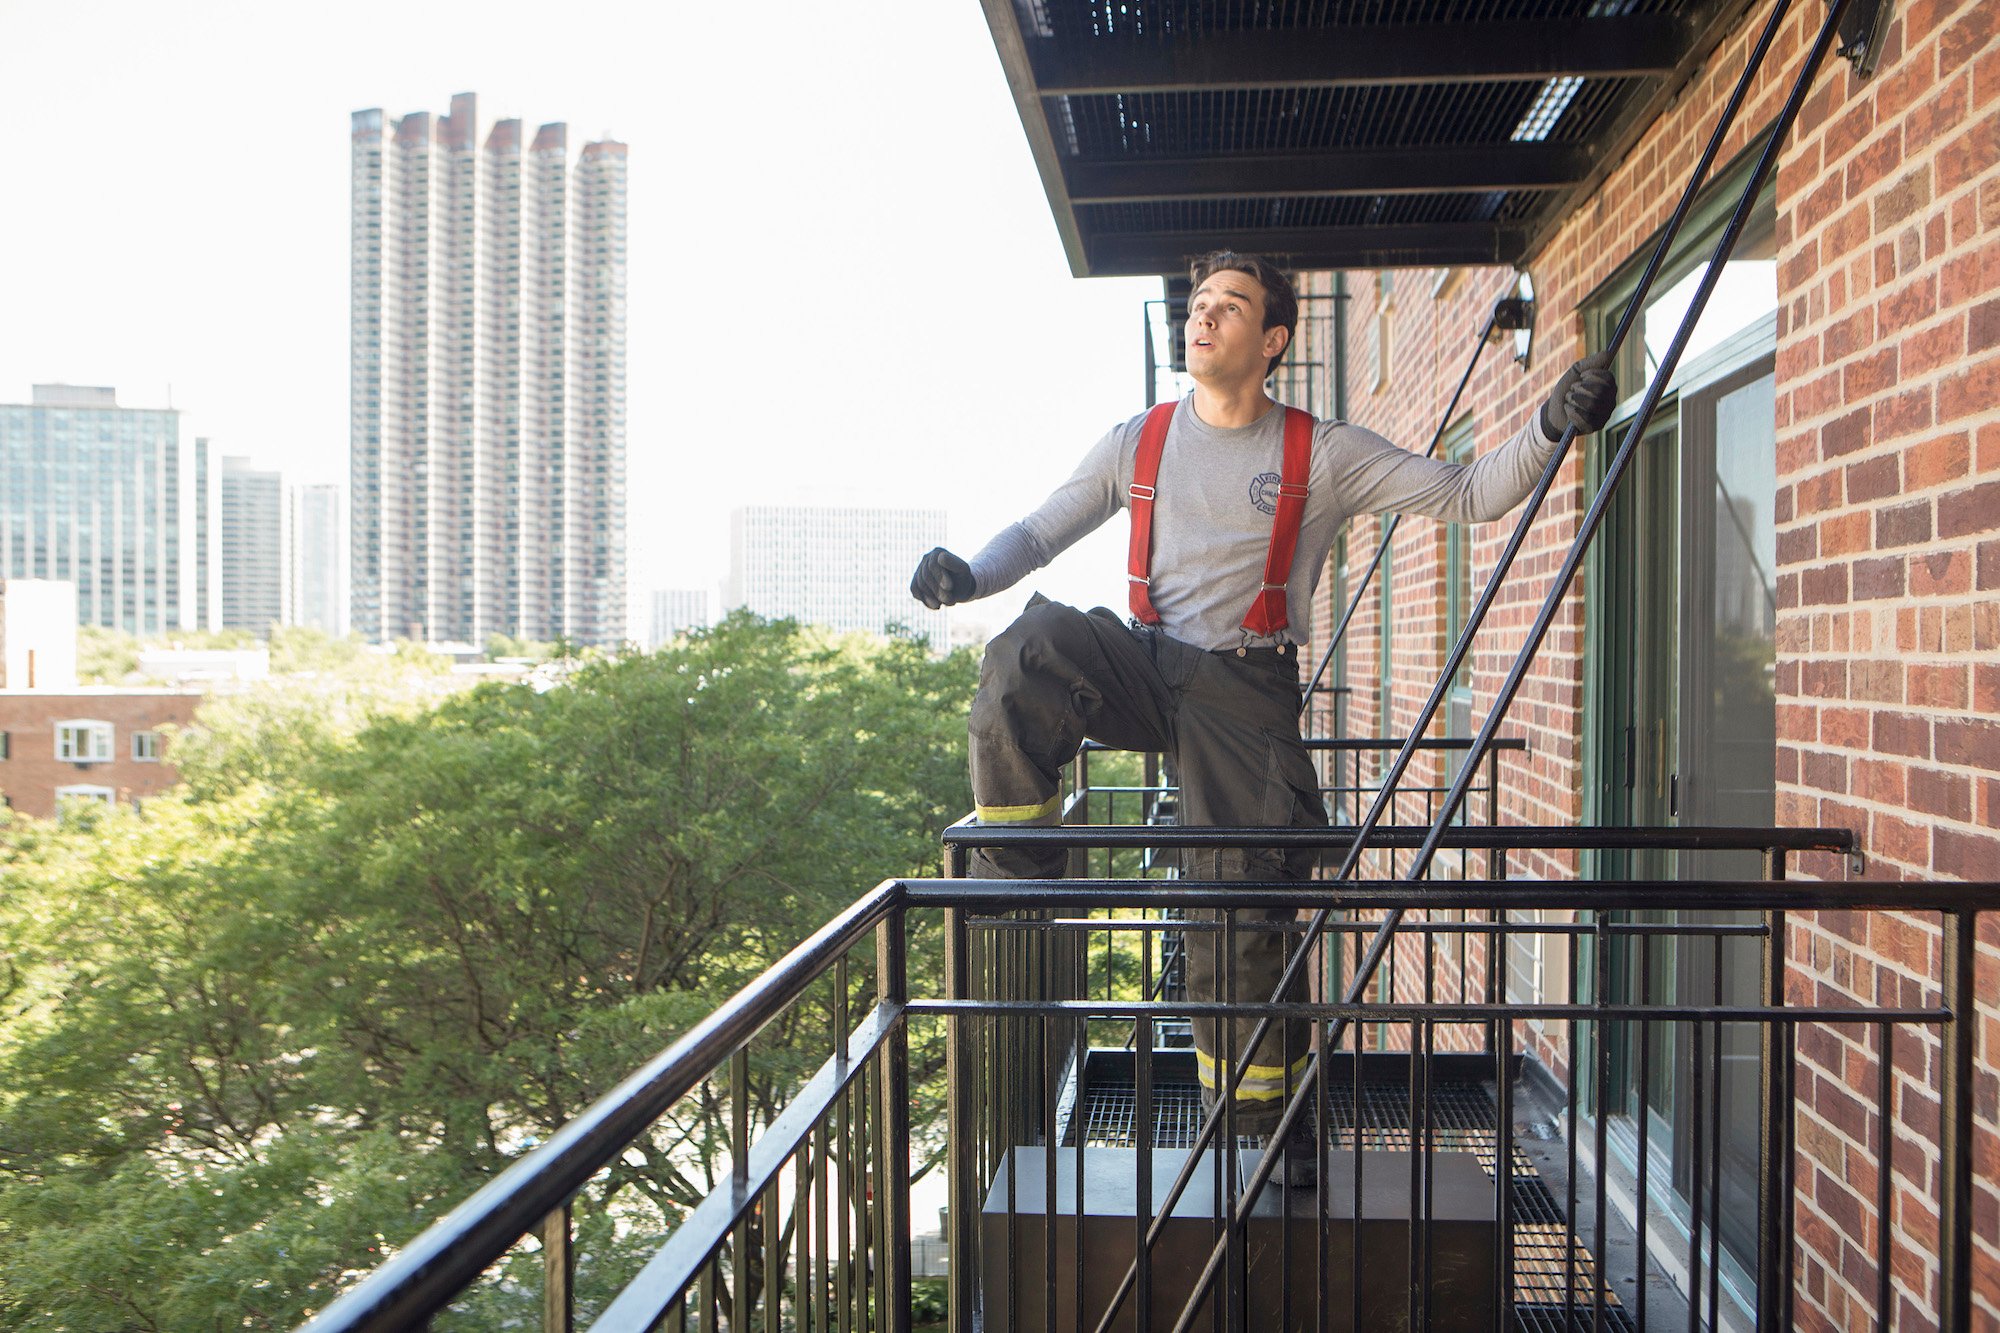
(1216, 494)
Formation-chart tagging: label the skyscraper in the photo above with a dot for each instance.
(256, 549)
(316, 564)
(112, 499)
(847, 568)
(487, 374)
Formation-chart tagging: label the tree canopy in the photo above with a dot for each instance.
(255, 1034)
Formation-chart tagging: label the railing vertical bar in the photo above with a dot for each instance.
(1955, 1165)
(802, 1166)
(558, 1272)
(1285, 1057)
(1356, 1144)
(1425, 1149)
(774, 1259)
(1696, 1095)
(739, 1184)
(893, 985)
(1601, 977)
(1012, 1280)
(1572, 1107)
(1322, 1189)
(1051, 1200)
(1885, 1165)
(881, 1244)
(1079, 1054)
(1778, 868)
(1715, 1152)
(1770, 1259)
(1228, 1057)
(706, 1296)
(1643, 1209)
(1142, 1189)
(960, 1099)
(843, 1175)
(1503, 1174)
(820, 1274)
(1414, 1236)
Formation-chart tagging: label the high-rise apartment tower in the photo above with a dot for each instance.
(487, 381)
(316, 566)
(256, 548)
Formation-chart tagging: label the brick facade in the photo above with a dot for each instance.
(1888, 513)
(30, 773)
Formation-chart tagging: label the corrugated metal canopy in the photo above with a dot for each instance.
(1347, 134)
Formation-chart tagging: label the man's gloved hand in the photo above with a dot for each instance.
(1583, 398)
(942, 579)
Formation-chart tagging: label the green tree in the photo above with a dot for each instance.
(255, 1035)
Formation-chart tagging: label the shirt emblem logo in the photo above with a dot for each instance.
(1264, 492)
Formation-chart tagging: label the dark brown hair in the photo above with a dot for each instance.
(1281, 303)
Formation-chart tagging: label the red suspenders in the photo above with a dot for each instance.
(1267, 611)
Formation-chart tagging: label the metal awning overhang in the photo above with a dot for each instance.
(1391, 133)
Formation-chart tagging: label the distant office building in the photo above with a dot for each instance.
(256, 548)
(487, 381)
(844, 568)
(113, 500)
(316, 559)
(675, 611)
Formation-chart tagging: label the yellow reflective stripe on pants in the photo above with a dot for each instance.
(1017, 814)
(1261, 1083)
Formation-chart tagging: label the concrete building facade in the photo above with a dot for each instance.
(487, 419)
(316, 561)
(847, 568)
(256, 548)
(675, 611)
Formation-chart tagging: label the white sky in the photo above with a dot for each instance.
(844, 278)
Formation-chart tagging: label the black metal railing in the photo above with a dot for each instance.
(1351, 772)
(810, 1228)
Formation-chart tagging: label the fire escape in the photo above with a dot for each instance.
(1479, 1025)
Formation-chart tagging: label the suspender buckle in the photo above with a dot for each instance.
(1138, 492)
(1138, 578)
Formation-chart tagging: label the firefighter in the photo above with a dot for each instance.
(1235, 502)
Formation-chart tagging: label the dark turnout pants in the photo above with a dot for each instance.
(1229, 724)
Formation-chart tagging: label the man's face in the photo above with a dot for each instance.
(1226, 337)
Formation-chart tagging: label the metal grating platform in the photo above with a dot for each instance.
(1462, 1120)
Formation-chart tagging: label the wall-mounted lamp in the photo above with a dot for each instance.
(1864, 26)
(1516, 314)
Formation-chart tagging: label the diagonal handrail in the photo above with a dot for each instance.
(1592, 519)
(1316, 927)
(1389, 528)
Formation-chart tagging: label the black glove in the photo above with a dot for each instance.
(1583, 398)
(942, 579)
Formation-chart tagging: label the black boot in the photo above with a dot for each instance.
(1298, 1168)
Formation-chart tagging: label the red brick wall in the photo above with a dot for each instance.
(1888, 416)
(1889, 605)
(31, 773)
